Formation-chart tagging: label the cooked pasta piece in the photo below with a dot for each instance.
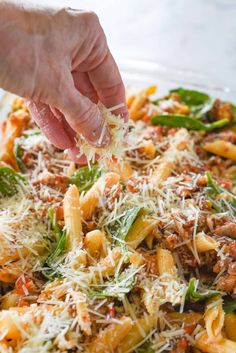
(162, 172)
(123, 168)
(90, 201)
(222, 345)
(230, 325)
(140, 230)
(191, 318)
(139, 331)
(95, 245)
(11, 129)
(72, 216)
(165, 262)
(110, 337)
(9, 300)
(107, 266)
(222, 148)
(214, 318)
(205, 243)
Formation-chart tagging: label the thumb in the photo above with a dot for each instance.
(83, 116)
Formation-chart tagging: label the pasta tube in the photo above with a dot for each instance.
(222, 148)
(162, 172)
(140, 230)
(230, 326)
(107, 266)
(216, 346)
(95, 244)
(91, 199)
(205, 243)
(72, 216)
(123, 168)
(108, 340)
(165, 262)
(214, 318)
(141, 328)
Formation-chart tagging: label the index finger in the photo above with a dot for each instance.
(107, 81)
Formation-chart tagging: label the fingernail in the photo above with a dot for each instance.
(100, 137)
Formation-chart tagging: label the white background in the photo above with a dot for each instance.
(192, 35)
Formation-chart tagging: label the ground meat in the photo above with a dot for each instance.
(232, 250)
(227, 230)
(227, 283)
(222, 110)
(232, 269)
(58, 182)
(151, 263)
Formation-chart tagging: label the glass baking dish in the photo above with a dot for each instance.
(139, 74)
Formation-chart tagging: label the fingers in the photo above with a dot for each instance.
(73, 154)
(84, 86)
(83, 116)
(108, 84)
(56, 130)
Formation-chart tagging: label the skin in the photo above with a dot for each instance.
(59, 60)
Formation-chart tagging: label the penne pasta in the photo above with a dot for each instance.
(95, 245)
(107, 266)
(162, 172)
(141, 228)
(110, 337)
(222, 345)
(140, 329)
(123, 168)
(230, 325)
(221, 148)
(165, 262)
(72, 216)
(90, 201)
(214, 318)
(205, 243)
(190, 318)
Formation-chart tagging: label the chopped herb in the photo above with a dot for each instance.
(119, 286)
(229, 305)
(18, 152)
(188, 122)
(10, 182)
(145, 348)
(194, 295)
(120, 228)
(199, 103)
(85, 177)
(49, 270)
(220, 205)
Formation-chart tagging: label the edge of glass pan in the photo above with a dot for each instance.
(138, 74)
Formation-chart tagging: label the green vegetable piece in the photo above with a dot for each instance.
(145, 348)
(117, 287)
(229, 306)
(59, 249)
(199, 103)
(188, 122)
(214, 189)
(85, 177)
(49, 271)
(120, 228)
(194, 295)
(18, 152)
(10, 182)
(212, 185)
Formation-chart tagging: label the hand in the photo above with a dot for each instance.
(59, 60)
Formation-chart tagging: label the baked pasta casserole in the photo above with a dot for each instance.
(137, 254)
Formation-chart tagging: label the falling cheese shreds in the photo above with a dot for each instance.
(117, 128)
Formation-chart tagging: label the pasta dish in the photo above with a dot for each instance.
(137, 254)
